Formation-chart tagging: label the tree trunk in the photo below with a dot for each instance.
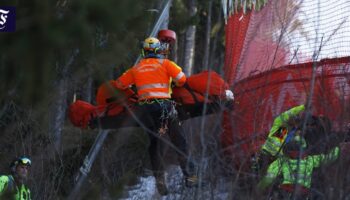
(180, 50)
(213, 58)
(60, 103)
(173, 53)
(86, 93)
(207, 37)
(190, 37)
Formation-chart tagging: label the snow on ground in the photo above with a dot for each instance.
(146, 188)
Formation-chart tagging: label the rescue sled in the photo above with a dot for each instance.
(204, 93)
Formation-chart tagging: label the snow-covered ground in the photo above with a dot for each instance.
(146, 188)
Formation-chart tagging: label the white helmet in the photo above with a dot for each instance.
(229, 95)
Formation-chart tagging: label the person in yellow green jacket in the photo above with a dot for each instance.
(13, 186)
(284, 127)
(296, 168)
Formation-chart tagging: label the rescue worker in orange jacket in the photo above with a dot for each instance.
(152, 75)
(155, 112)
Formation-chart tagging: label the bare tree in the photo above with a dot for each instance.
(190, 37)
(59, 105)
(207, 36)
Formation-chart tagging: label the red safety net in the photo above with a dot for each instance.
(259, 100)
(269, 59)
(236, 30)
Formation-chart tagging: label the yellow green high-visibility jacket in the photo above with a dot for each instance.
(9, 189)
(296, 171)
(279, 131)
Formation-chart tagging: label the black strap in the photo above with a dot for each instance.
(111, 99)
(11, 184)
(191, 92)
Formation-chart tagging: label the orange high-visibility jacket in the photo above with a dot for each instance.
(152, 78)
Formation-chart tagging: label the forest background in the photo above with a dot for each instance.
(67, 48)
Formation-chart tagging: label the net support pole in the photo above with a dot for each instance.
(87, 164)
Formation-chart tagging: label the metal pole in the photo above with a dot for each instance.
(87, 164)
(163, 16)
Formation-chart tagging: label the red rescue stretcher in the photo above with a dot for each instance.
(114, 107)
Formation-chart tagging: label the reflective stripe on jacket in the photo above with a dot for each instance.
(273, 143)
(152, 78)
(7, 184)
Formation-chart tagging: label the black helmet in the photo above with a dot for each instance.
(23, 160)
(294, 121)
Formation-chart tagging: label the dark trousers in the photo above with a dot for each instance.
(291, 196)
(154, 115)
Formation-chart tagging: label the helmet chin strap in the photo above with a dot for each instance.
(153, 55)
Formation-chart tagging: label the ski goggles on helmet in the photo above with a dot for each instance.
(24, 161)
